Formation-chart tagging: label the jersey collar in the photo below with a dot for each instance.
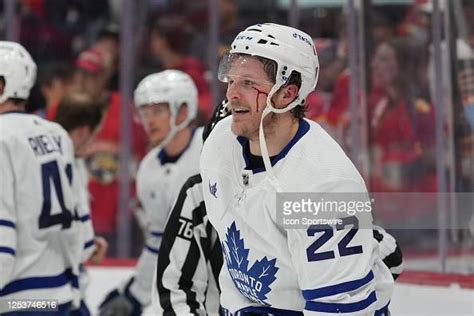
(164, 158)
(303, 128)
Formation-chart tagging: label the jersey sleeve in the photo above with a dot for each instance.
(182, 271)
(83, 209)
(7, 217)
(334, 261)
(389, 251)
(141, 286)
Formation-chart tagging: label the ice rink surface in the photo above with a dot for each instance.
(408, 299)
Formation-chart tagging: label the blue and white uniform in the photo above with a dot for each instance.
(270, 269)
(159, 180)
(40, 242)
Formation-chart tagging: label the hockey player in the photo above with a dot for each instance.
(266, 148)
(167, 103)
(81, 115)
(191, 257)
(40, 243)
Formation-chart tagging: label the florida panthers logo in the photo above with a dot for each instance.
(253, 283)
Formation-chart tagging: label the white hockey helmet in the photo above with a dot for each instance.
(173, 87)
(18, 69)
(290, 48)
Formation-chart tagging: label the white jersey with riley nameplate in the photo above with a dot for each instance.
(272, 269)
(41, 243)
(159, 180)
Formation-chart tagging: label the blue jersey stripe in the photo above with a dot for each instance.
(152, 249)
(6, 223)
(157, 234)
(7, 250)
(85, 218)
(383, 311)
(88, 244)
(303, 128)
(258, 310)
(341, 307)
(338, 288)
(45, 282)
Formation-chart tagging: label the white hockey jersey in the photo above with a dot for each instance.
(270, 269)
(80, 181)
(40, 242)
(159, 180)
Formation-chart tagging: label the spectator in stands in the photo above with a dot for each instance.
(92, 76)
(401, 121)
(46, 41)
(338, 116)
(170, 38)
(229, 27)
(108, 42)
(54, 81)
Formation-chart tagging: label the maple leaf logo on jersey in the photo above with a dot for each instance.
(253, 283)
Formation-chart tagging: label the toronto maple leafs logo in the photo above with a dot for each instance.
(213, 189)
(253, 283)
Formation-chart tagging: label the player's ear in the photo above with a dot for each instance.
(2, 84)
(182, 113)
(286, 95)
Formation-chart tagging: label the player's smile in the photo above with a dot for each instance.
(240, 112)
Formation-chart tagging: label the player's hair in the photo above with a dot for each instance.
(77, 109)
(2, 83)
(270, 68)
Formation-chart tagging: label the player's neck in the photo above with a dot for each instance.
(9, 106)
(179, 142)
(277, 138)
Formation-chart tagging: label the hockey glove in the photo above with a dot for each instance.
(120, 304)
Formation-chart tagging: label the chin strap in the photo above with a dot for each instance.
(261, 135)
(174, 128)
(264, 151)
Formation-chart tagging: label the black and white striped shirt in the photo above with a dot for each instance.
(190, 257)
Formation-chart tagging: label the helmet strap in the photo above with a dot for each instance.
(269, 108)
(174, 129)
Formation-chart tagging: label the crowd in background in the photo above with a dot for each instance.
(76, 46)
